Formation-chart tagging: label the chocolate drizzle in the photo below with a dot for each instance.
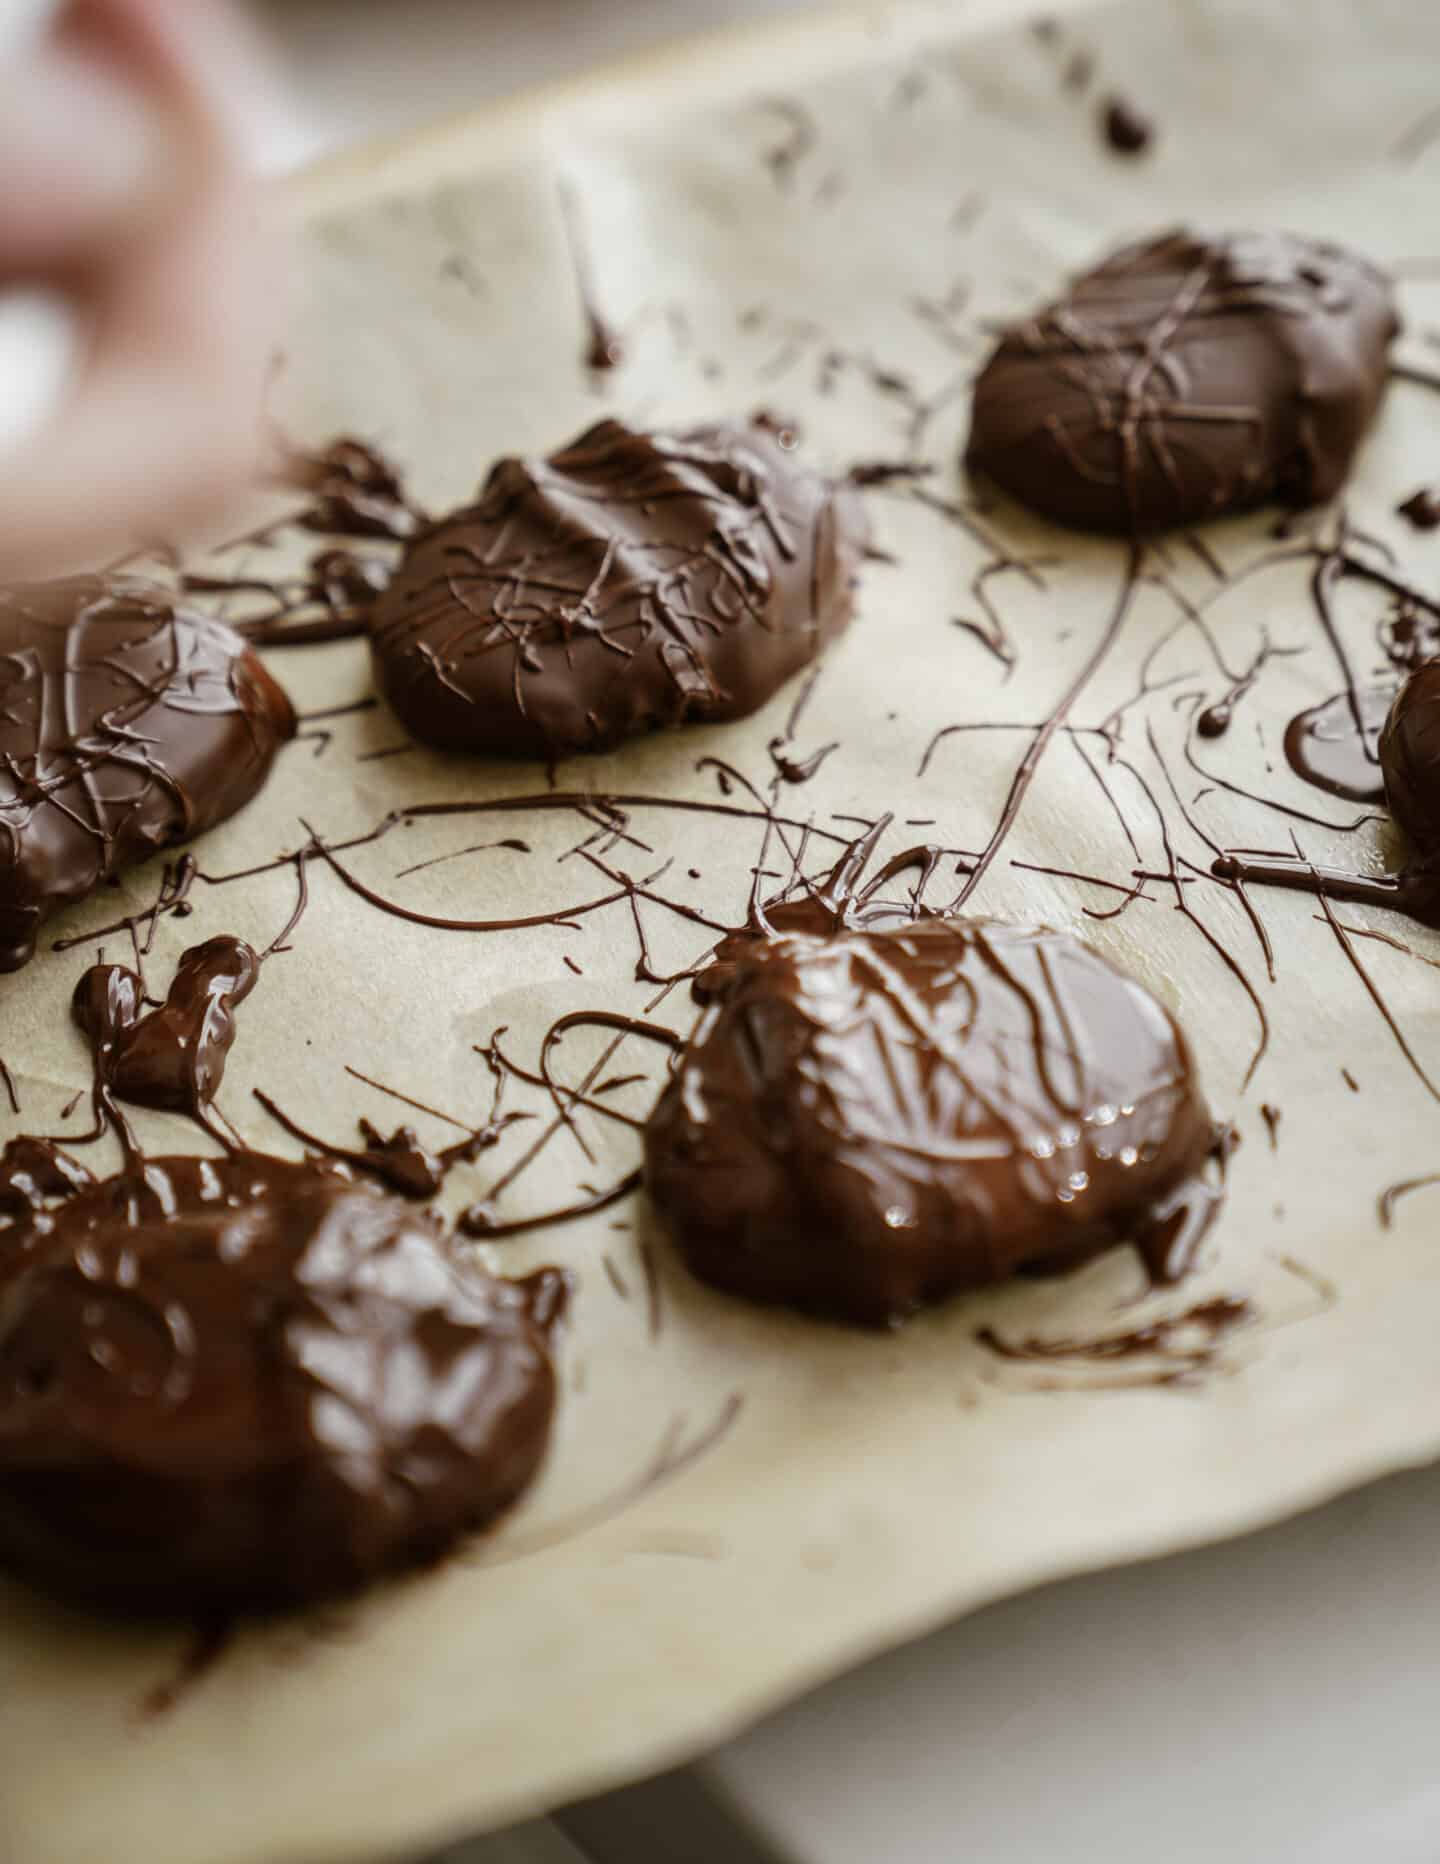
(402, 1161)
(1216, 718)
(1177, 1349)
(1409, 763)
(1046, 730)
(354, 492)
(839, 902)
(330, 602)
(1415, 890)
(630, 581)
(126, 725)
(604, 348)
(1185, 377)
(1393, 1193)
(171, 897)
(481, 1221)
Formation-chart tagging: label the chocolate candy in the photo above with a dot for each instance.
(628, 582)
(865, 1122)
(240, 1383)
(1410, 760)
(126, 725)
(1185, 377)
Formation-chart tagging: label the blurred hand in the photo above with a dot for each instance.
(125, 186)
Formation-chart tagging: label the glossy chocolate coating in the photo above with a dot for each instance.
(863, 1123)
(32, 1172)
(126, 725)
(1410, 759)
(809, 915)
(628, 582)
(172, 1057)
(1185, 377)
(243, 1383)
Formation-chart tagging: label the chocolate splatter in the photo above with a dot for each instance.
(1126, 131)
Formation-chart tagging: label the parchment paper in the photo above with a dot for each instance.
(740, 1503)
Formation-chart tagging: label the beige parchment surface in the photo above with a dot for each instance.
(739, 1503)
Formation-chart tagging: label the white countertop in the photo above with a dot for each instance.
(1271, 1699)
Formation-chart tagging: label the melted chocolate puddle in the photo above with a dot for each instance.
(1325, 747)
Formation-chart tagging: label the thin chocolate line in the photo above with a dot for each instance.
(477, 1222)
(1392, 1194)
(1021, 781)
(654, 1311)
(1230, 961)
(420, 1106)
(1373, 992)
